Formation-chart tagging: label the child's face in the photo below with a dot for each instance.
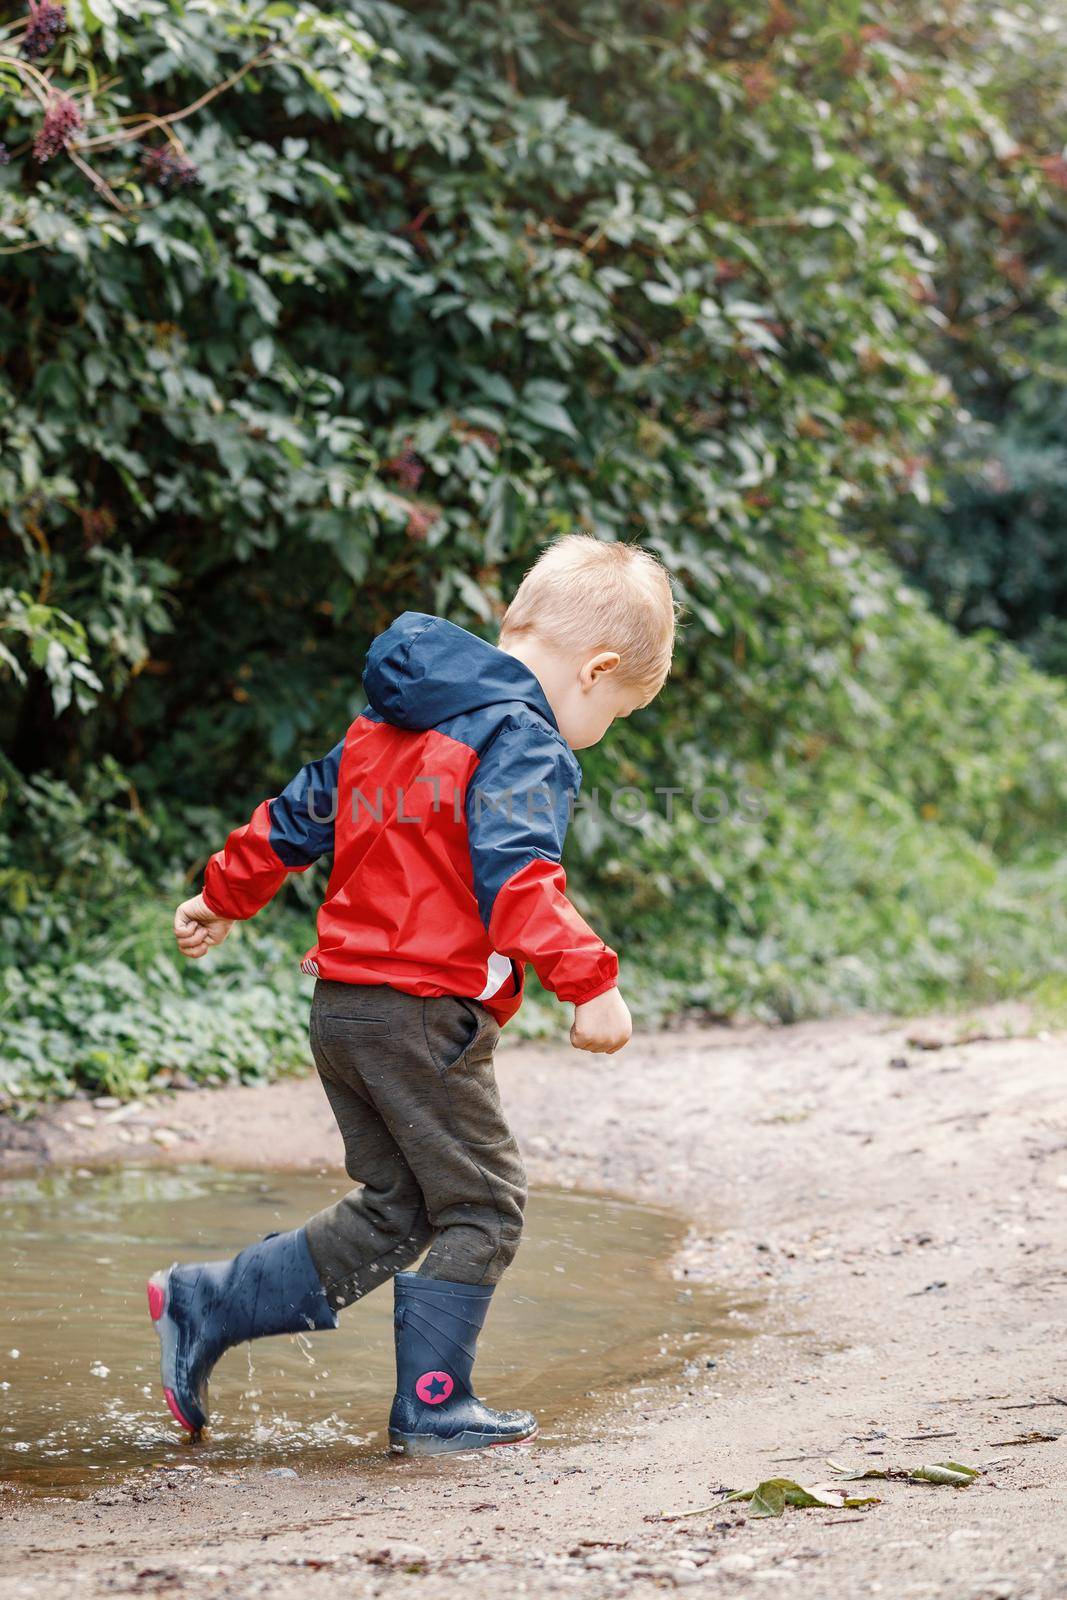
(588, 705)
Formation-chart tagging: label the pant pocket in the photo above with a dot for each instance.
(457, 1030)
(342, 1046)
(474, 1101)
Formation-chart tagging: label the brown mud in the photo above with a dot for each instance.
(888, 1220)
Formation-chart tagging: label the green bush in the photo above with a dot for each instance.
(92, 991)
(905, 853)
(118, 1027)
(452, 280)
(993, 552)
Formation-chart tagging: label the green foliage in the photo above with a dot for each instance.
(91, 990)
(993, 554)
(452, 280)
(895, 859)
(990, 549)
(47, 640)
(128, 1014)
(683, 312)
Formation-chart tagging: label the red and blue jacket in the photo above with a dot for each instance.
(445, 807)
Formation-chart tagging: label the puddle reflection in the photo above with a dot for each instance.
(586, 1308)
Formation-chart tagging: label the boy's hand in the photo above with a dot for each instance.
(197, 929)
(602, 1024)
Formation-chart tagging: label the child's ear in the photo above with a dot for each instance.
(599, 666)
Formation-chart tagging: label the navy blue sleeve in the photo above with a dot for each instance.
(302, 816)
(519, 803)
(284, 835)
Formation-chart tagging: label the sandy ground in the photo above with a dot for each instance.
(894, 1216)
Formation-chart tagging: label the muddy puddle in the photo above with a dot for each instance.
(586, 1309)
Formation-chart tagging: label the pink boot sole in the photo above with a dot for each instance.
(157, 1304)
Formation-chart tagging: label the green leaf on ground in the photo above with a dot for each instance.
(945, 1472)
(770, 1498)
(950, 1472)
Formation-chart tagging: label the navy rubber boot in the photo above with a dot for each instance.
(435, 1412)
(203, 1309)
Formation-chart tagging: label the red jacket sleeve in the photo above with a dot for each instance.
(534, 921)
(518, 805)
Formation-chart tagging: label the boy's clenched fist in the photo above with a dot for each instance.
(602, 1024)
(197, 928)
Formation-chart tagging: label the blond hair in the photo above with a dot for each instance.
(590, 594)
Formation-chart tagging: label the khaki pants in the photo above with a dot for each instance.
(412, 1087)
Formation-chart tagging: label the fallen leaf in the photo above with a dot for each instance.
(950, 1472)
(770, 1498)
(857, 1475)
(945, 1472)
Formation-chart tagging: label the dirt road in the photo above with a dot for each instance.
(895, 1217)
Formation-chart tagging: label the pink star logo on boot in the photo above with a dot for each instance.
(433, 1387)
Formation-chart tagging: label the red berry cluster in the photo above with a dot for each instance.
(169, 168)
(47, 22)
(98, 523)
(62, 121)
(422, 514)
(407, 468)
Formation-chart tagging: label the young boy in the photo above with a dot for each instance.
(445, 808)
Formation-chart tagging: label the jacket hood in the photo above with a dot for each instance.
(423, 670)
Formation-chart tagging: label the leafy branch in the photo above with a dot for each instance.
(149, 122)
(64, 119)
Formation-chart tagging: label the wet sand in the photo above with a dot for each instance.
(889, 1221)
